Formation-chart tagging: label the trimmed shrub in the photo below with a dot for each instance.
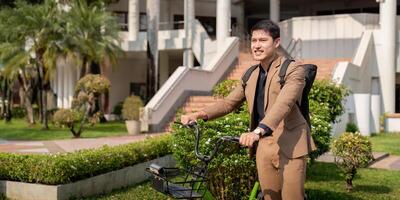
(351, 127)
(352, 151)
(93, 83)
(65, 168)
(224, 88)
(231, 173)
(66, 117)
(81, 113)
(325, 107)
(131, 108)
(18, 112)
(118, 109)
(330, 95)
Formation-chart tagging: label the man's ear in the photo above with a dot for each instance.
(277, 42)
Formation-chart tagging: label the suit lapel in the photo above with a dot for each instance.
(251, 88)
(272, 71)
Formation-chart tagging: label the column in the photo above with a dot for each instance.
(223, 22)
(133, 20)
(387, 70)
(60, 84)
(153, 21)
(274, 10)
(67, 82)
(375, 105)
(362, 102)
(189, 14)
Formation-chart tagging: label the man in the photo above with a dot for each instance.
(276, 121)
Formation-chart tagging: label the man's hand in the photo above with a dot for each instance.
(248, 139)
(186, 119)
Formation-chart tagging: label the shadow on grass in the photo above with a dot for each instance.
(313, 194)
(323, 172)
(373, 189)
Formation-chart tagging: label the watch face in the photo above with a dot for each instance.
(257, 131)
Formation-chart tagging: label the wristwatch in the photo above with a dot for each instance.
(259, 132)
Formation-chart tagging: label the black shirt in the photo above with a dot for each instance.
(259, 96)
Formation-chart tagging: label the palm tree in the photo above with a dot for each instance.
(91, 34)
(31, 42)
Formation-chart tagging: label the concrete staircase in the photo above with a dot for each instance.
(196, 103)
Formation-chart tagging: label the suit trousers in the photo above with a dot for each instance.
(281, 178)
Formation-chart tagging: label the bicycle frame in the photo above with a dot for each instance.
(162, 181)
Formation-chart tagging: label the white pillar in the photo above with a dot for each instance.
(66, 84)
(362, 102)
(274, 10)
(375, 105)
(223, 21)
(133, 20)
(153, 21)
(189, 14)
(387, 70)
(60, 82)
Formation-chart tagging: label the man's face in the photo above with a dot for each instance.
(262, 45)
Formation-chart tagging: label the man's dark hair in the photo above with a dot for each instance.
(267, 26)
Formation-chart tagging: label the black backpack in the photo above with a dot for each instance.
(310, 73)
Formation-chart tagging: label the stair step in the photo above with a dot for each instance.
(197, 103)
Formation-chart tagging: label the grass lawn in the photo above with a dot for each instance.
(18, 129)
(324, 182)
(386, 142)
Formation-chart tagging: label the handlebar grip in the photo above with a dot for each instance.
(234, 139)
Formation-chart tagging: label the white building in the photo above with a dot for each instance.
(192, 60)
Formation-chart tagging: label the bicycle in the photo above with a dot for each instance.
(192, 184)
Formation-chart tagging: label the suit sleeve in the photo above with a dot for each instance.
(290, 93)
(226, 105)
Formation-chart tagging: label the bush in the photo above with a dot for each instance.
(66, 117)
(81, 113)
(118, 109)
(231, 173)
(330, 96)
(352, 151)
(325, 107)
(351, 127)
(131, 108)
(93, 84)
(224, 88)
(65, 168)
(18, 112)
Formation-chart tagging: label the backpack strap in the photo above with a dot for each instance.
(282, 71)
(247, 75)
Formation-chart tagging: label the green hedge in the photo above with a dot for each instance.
(65, 168)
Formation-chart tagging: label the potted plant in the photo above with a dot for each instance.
(131, 113)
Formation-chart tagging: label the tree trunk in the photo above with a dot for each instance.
(28, 95)
(9, 100)
(40, 93)
(29, 109)
(349, 180)
(45, 114)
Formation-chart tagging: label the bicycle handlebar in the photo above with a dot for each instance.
(207, 158)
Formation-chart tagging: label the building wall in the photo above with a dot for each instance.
(332, 36)
(128, 70)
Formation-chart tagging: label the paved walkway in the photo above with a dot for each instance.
(68, 145)
(381, 160)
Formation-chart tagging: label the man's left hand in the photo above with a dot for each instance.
(248, 139)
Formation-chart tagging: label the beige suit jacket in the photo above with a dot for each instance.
(290, 129)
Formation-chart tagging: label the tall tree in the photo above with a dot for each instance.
(32, 40)
(91, 35)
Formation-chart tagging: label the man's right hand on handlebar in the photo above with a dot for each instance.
(192, 117)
